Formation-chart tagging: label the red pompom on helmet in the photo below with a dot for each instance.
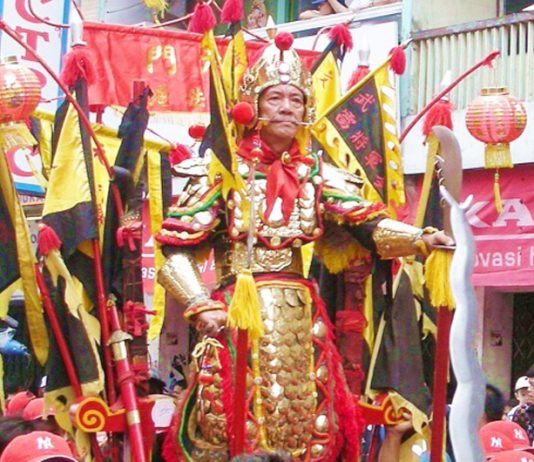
(243, 113)
(284, 41)
(197, 132)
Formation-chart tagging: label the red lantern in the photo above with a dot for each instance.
(496, 118)
(20, 91)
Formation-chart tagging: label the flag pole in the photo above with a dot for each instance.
(101, 298)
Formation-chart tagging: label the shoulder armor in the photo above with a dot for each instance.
(337, 178)
(194, 167)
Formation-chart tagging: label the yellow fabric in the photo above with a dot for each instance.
(341, 153)
(69, 181)
(244, 311)
(326, 84)
(10, 136)
(307, 257)
(74, 300)
(497, 193)
(437, 267)
(368, 333)
(234, 65)
(156, 211)
(419, 418)
(46, 126)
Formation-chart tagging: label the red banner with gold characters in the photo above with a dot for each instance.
(170, 62)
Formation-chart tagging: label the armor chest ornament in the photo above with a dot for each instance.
(272, 231)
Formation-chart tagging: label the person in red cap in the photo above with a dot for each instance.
(513, 456)
(16, 403)
(35, 409)
(38, 447)
(501, 436)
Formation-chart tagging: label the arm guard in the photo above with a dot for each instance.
(181, 278)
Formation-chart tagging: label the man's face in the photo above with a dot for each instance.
(524, 396)
(282, 109)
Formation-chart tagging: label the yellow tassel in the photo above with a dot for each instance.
(497, 193)
(337, 250)
(244, 311)
(437, 267)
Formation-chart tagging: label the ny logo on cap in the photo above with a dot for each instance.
(496, 442)
(44, 443)
(519, 434)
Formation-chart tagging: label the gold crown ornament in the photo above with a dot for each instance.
(279, 64)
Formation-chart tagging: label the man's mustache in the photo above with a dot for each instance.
(275, 120)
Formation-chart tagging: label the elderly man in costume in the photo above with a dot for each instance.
(296, 394)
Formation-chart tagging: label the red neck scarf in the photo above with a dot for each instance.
(282, 176)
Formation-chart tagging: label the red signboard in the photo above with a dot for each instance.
(171, 62)
(504, 242)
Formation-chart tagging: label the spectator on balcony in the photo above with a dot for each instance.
(326, 7)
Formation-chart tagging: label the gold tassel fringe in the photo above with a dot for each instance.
(497, 193)
(244, 309)
(337, 250)
(437, 267)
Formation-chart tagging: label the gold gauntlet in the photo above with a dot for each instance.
(181, 278)
(396, 239)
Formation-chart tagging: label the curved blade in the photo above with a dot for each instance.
(449, 169)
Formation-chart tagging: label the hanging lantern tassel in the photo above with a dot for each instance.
(244, 309)
(497, 193)
(437, 267)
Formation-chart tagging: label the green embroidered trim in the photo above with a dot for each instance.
(183, 423)
(206, 205)
(338, 195)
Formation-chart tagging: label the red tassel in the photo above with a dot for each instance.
(232, 12)
(203, 19)
(439, 114)
(78, 64)
(178, 154)
(341, 35)
(358, 74)
(398, 60)
(48, 240)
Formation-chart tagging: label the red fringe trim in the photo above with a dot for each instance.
(358, 74)
(350, 418)
(398, 60)
(48, 240)
(78, 65)
(439, 114)
(178, 154)
(170, 448)
(203, 19)
(232, 12)
(227, 395)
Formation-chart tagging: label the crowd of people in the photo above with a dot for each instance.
(30, 433)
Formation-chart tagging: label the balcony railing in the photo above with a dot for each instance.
(459, 47)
